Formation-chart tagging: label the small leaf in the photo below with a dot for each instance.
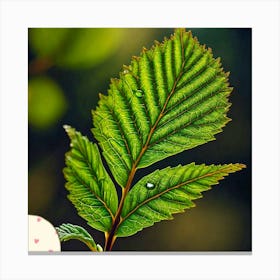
(68, 231)
(173, 98)
(99, 248)
(91, 189)
(172, 192)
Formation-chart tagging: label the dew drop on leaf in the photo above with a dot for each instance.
(138, 93)
(150, 185)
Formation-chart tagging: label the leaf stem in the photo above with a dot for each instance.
(111, 238)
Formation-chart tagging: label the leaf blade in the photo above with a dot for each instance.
(175, 189)
(183, 104)
(68, 231)
(90, 188)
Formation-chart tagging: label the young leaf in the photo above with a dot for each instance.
(68, 231)
(172, 98)
(168, 191)
(91, 189)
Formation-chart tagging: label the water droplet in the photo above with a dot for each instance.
(150, 185)
(138, 93)
(125, 71)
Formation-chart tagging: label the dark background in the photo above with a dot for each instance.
(67, 70)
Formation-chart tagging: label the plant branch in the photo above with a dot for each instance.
(111, 236)
(110, 239)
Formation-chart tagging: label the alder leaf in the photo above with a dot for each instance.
(172, 98)
(68, 231)
(168, 191)
(91, 189)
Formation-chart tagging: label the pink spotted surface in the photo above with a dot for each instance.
(42, 235)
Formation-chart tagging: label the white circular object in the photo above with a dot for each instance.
(43, 236)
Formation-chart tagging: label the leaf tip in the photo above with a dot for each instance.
(66, 127)
(241, 165)
(233, 167)
(69, 130)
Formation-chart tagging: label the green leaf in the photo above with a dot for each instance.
(68, 231)
(172, 98)
(165, 192)
(91, 189)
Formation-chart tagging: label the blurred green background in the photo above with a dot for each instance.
(68, 67)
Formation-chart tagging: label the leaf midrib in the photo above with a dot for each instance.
(116, 219)
(162, 113)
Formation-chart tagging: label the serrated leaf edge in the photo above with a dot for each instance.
(228, 169)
